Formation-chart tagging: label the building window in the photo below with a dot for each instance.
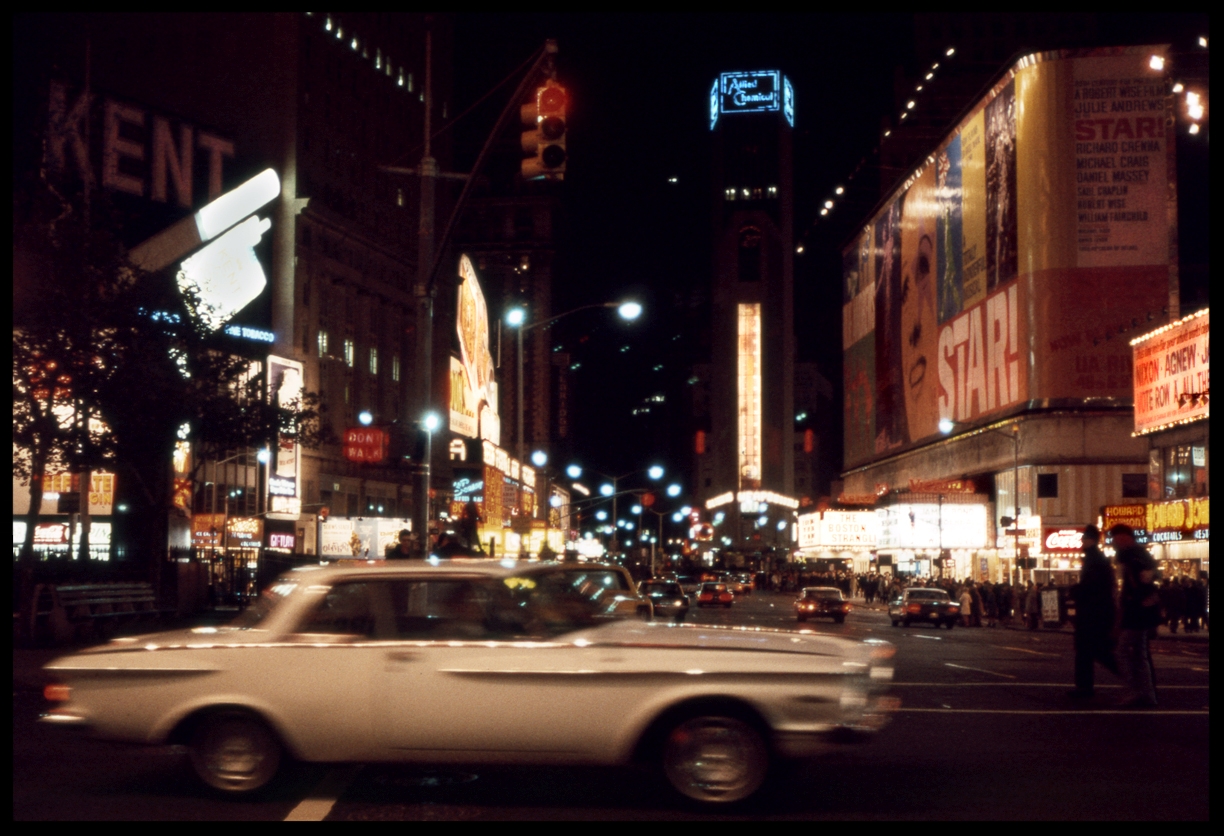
(1185, 471)
(395, 368)
(1134, 485)
(749, 254)
(1047, 486)
(322, 343)
(374, 361)
(350, 352)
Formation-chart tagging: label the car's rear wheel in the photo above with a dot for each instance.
(949, 624)
(905, 622)
(234, 752)
(715, 759)
(896, 623)
(839, 618)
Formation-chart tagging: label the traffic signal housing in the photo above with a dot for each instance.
(543, 140)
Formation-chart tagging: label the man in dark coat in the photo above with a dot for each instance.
(403, 548)
(1094, 615)
(1140, 603)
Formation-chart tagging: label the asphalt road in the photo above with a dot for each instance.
(985, 731)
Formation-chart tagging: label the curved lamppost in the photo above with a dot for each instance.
(516, 318)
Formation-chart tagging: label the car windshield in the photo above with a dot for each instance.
(927, 595)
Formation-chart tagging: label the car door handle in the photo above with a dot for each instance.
(403, 656)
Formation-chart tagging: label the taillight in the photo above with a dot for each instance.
(56, 692)
(914, 608)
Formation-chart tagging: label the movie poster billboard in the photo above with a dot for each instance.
(473, 391)
(1173, 373)
(1002, 268)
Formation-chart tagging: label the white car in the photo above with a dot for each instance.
(475, 662)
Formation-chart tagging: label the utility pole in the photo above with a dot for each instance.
(423, 293)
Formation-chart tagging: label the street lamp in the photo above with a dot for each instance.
(946, 426)
(516, 318)
(420, 510)
(611, 488)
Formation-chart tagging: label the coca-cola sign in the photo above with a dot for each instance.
(1062, 540)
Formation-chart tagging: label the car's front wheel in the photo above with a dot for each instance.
(715, 759)
(234, 752)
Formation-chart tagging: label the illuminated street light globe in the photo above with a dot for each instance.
(516, 317)
(601, 515)
(539, 458)
(573, 471)
(629, 311)
(606, 489)
(655, 472)
(636, 509)
(366, 418)
(673, 490)
(432, 421)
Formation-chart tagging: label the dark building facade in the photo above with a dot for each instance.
(749, 448)
(181, 108)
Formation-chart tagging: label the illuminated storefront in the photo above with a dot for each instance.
(1173, 411)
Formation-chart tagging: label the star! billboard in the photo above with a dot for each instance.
(1001, 271)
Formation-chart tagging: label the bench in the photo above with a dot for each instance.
(84, 611)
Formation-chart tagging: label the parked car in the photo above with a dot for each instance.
(715, 595)
(924, 605)
(471, 662)
(821, 602)
(667, 598)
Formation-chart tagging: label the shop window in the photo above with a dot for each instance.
(1047, 486)
(1178, 472)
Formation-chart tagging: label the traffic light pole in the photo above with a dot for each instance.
(430, 250)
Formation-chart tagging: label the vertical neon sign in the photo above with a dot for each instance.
(749, 386)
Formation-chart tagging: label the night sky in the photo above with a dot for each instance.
(638, 117)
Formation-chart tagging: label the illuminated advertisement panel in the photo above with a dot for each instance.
(749, 388)
(473, 391)
(931, 526)
(750, 92)
(999, 271)
(1172, 373)
(284, 471)
(849, 529)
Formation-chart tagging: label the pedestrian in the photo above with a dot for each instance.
(1032, 606)
(1140, 604)
(1196, 602)
(1095, 615)
(401, 550)
(978, 604)
(966, 606)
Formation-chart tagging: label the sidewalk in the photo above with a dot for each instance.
(1162, 632)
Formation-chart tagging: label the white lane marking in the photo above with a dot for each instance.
(323, 797)
(979, 670)
(1029, 685)
(931, 638)
(1026, 650)
(1081, 711)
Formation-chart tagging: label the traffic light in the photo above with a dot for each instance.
(544, 141)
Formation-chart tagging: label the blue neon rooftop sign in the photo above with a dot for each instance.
(752, 92)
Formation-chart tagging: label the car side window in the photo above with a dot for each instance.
(345, 610)
(440, 609)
